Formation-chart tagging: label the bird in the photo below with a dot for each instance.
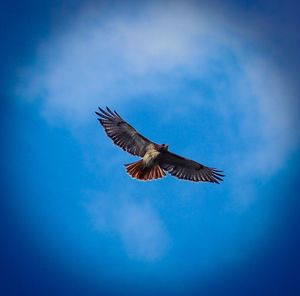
(156, 159)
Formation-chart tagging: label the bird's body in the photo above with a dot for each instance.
(151, 156)
(155, 158)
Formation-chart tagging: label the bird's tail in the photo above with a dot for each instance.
(137, 171)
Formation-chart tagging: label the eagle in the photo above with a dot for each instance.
(156, 159)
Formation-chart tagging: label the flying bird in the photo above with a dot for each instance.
(156, 159)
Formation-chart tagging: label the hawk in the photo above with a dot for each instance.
(156, 159)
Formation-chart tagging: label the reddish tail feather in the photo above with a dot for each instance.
(137, 171)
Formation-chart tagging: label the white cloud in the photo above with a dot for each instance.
(136, 223)
(275, 118)
(110, 61)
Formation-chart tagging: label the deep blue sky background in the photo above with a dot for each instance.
(72, 222)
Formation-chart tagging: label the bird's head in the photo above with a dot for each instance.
(163, 147)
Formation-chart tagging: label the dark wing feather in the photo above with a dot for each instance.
(187, 169)
(122, 133)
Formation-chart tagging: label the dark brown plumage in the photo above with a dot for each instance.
(156, 159)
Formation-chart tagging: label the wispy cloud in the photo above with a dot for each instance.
(115, 59)
(136, 223)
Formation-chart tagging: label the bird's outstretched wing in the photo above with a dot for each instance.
(122, 133)
(187, 169)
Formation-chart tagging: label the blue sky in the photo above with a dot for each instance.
(217, 82)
